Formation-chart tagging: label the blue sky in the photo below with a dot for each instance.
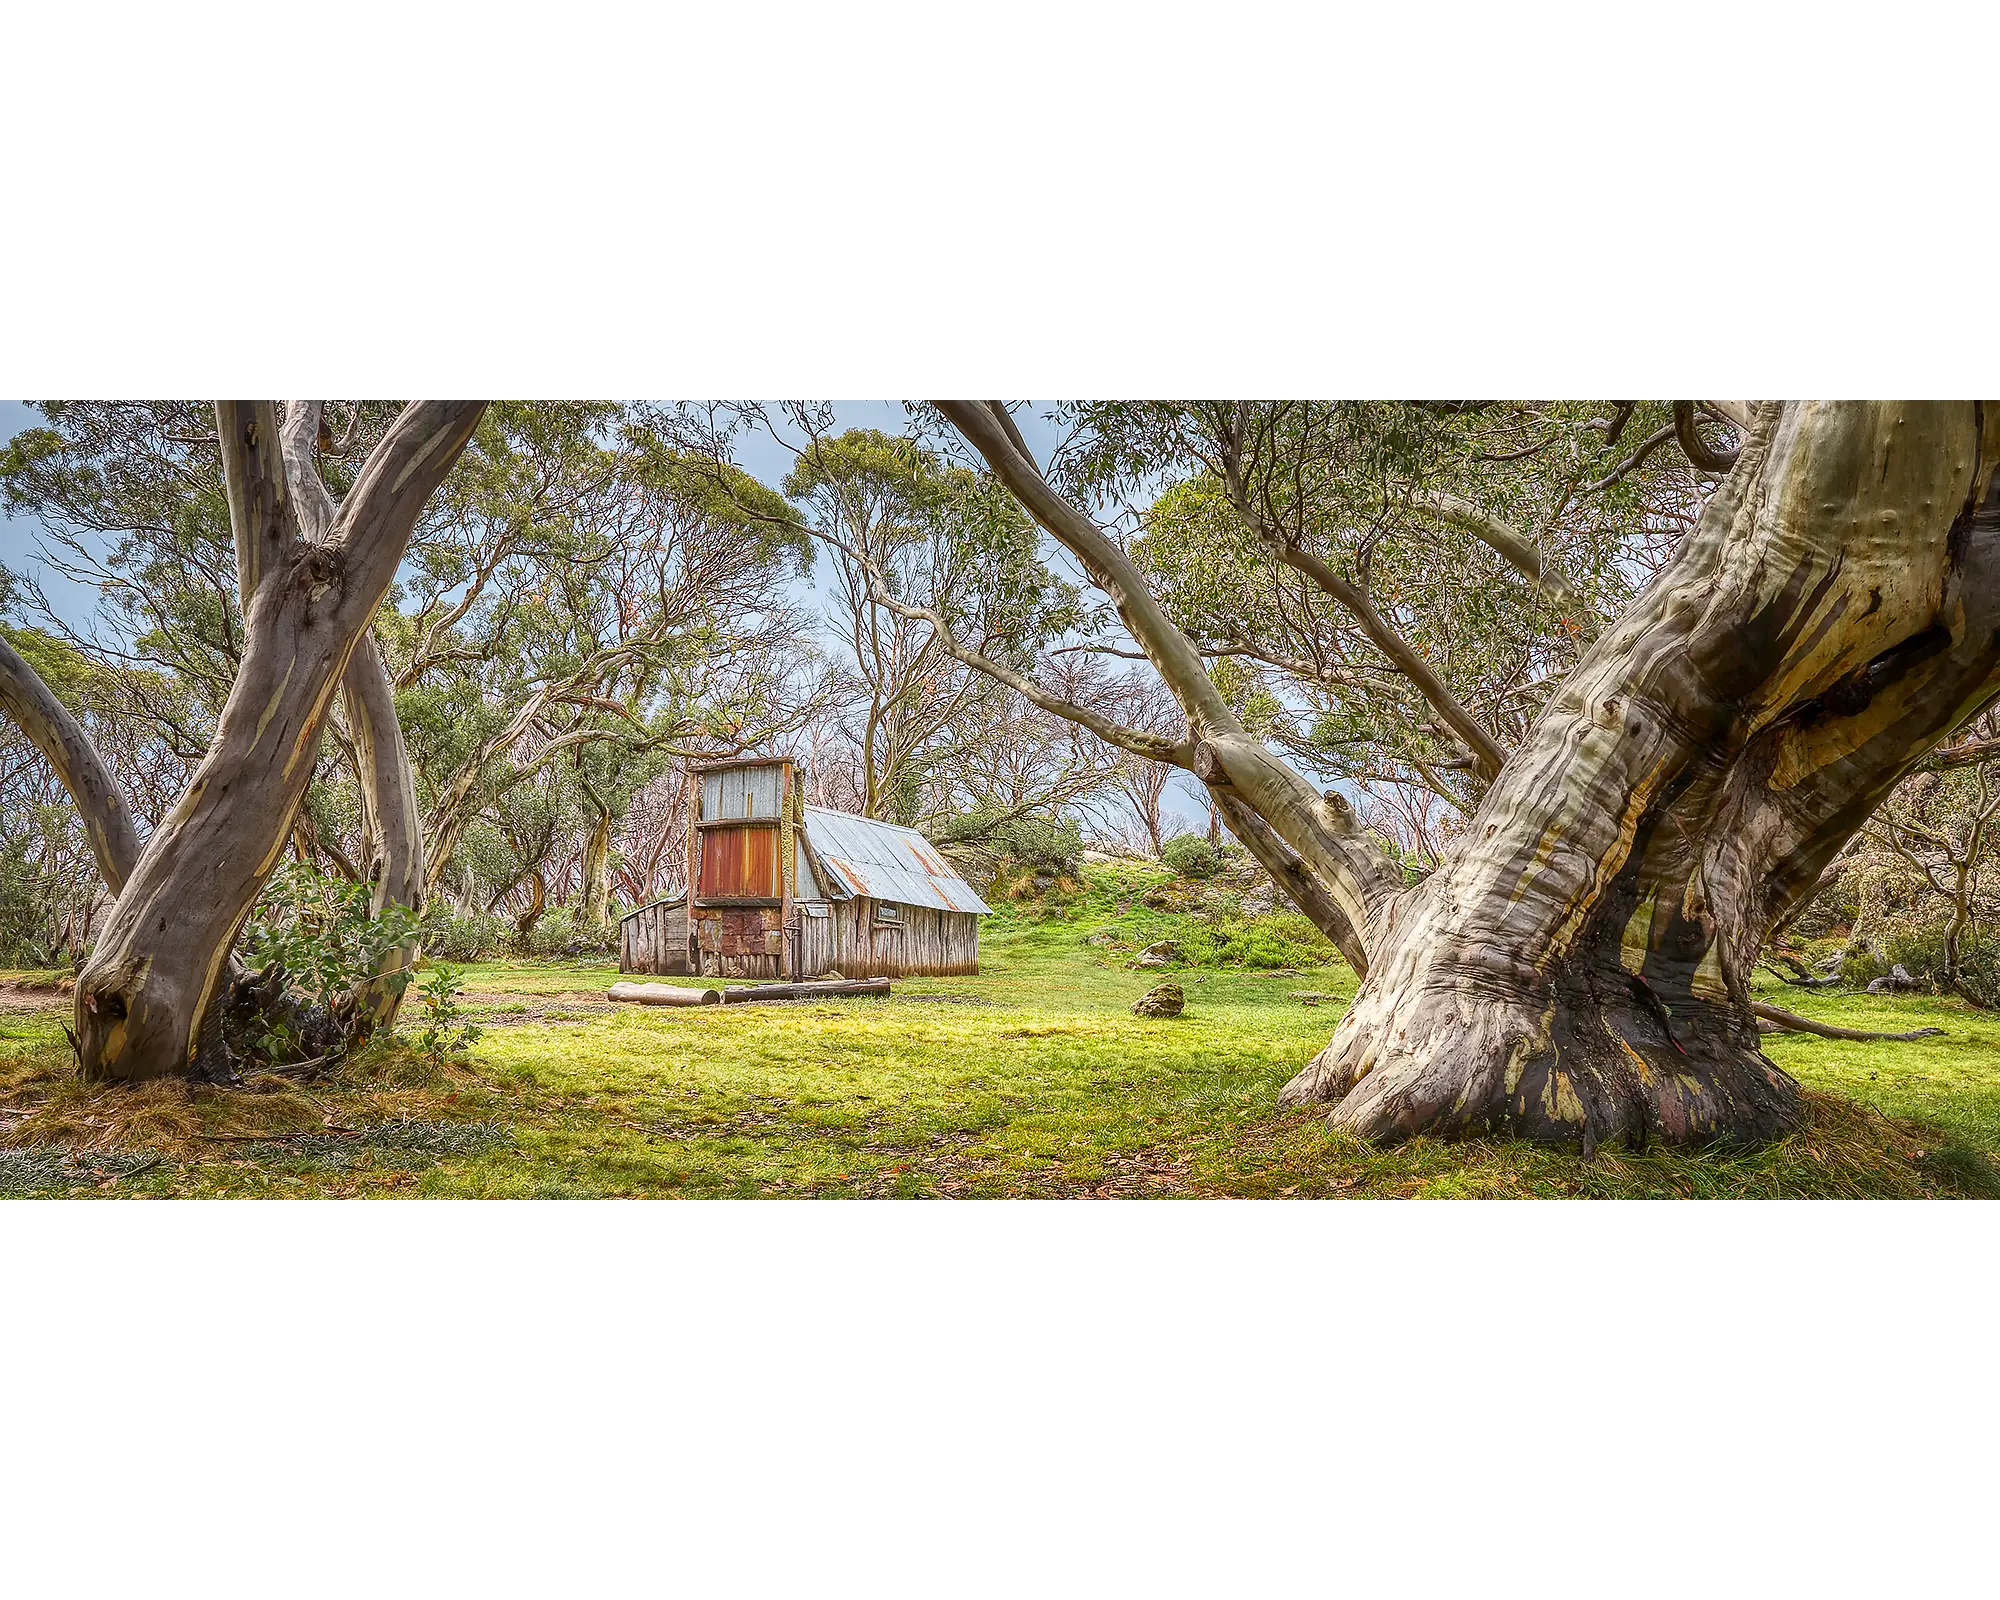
(756, 453)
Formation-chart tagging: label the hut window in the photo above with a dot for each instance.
(885, 912)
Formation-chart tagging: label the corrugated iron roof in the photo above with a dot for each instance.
(888, 862)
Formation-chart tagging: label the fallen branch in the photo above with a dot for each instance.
(1792, 1022)
(1799, 976)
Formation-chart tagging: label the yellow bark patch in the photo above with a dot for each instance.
(1559, 1101)
(1639, 1063)
(1708, 980)
(1609, 865)
(1636, 941)
(277, 700)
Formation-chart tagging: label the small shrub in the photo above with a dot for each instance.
(1919, 950)
(1191, 856)
(471, 936)
(1054, 845)
(552, 935)
(320, 933)
(320, 930)
(560, 934)
(446, 1031)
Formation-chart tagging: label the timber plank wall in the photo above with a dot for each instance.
(918, 941)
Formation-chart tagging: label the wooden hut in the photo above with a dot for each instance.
(785, 890)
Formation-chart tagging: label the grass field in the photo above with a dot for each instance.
(1032, 1079)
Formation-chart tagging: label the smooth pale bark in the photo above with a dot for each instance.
(391, 825)
(1578, 972)
(1307, 889)
(143, 996)
(49, 727)
(1352, 876)
(1503, 540)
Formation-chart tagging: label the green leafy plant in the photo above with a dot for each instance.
(320, 932)
(1054, 844)
(446, 1030)
(1191, 856)
(469, 936)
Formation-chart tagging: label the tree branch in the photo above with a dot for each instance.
(1502, 539)
(1698, 449)
(1792, 1022)
(49, 727)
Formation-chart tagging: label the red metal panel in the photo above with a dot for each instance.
(738, 862)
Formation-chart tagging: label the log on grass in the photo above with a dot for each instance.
(663, 994)
(807, 991)
(1783, 1021)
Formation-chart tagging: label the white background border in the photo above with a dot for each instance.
(1085, 199)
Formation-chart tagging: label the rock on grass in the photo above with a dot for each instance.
(1162, 1000)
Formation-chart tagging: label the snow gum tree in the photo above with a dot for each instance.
(1576, 970)
(144, 999)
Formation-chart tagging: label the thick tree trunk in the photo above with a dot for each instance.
(1579, 972)
(144, 996)
(538, 901)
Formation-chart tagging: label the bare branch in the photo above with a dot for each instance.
(1792, 1022)
(1698, 449)
(1631, 463)
(1510, 545)
(45, 720)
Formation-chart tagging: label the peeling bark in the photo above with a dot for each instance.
(144, 998)
(1578, 973)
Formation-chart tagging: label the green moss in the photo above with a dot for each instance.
(1032, 1079)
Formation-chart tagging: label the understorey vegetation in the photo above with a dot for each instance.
(1595, 741)
(1033, 1079)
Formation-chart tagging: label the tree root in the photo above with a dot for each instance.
(1792, 1022)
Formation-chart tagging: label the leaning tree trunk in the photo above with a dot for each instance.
(45, 720)
(391, 825)
(1579, 972)
(143, 996)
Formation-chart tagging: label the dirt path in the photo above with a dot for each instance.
(16, 996)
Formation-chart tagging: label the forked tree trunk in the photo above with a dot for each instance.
(538, 902)
(143, 996)
(1579, 972)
